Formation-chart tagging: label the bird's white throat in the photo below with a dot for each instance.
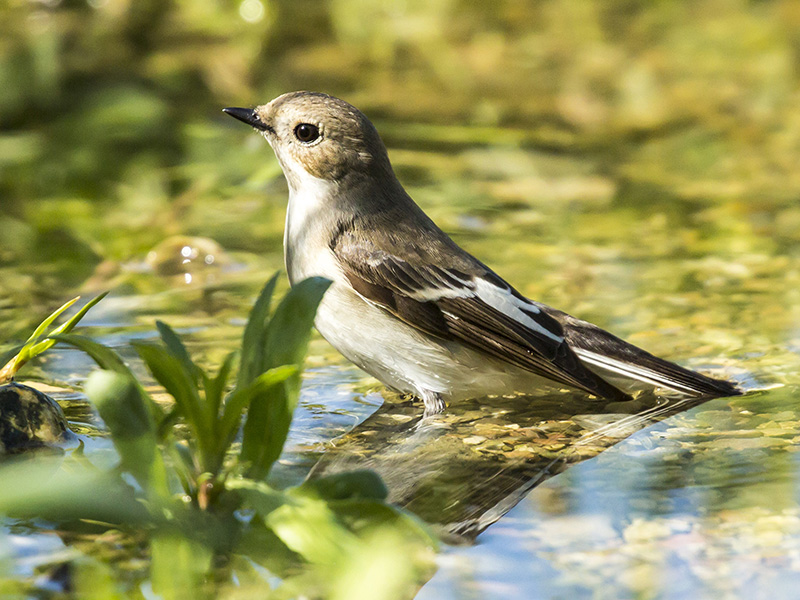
(305, 247)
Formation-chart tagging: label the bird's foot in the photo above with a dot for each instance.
(434, 403)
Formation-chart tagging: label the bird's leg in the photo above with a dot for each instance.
(434, 404)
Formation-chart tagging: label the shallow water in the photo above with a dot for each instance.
(634, 165)
(703, 504)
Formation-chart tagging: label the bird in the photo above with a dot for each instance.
(406, 303)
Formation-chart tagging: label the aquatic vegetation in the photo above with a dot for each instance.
(634, 162)
(39, 341)
(196, 492)
(28, 417)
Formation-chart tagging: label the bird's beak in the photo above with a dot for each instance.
(249, 116)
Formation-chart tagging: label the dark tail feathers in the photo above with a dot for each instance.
(599, 348)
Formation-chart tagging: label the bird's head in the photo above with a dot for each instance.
(317, 135)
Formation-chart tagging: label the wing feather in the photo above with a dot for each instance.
(477, 309)
(606, 351)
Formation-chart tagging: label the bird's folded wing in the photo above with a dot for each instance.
(614, 355)
(477, 309)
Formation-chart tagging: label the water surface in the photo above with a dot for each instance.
(701, 504)
(633, 164)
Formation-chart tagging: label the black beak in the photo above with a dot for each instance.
(247, 115)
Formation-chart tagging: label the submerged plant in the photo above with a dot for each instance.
(30, 418)
(200, 493)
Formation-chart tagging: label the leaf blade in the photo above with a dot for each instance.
(38, 342)
(239, 400)
(215, 388)
(287, 337)
(131, 424)
(254, 333)
(177, 349)
(171, 373)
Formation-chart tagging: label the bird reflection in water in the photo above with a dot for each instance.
(462, 470)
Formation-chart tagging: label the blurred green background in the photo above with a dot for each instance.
(632, 162)
(111, 135)
(697, 97)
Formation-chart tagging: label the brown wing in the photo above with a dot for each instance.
(477, 309)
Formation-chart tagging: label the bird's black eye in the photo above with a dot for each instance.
(306, 132)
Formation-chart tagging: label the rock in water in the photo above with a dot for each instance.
(30, 419)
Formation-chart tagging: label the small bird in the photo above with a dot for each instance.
(407, 304)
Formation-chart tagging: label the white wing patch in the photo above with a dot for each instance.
(511, 306)
(501, 299)
(445, 290)
(431, 294)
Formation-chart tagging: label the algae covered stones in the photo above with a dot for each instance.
(191, 257)
(30, 419)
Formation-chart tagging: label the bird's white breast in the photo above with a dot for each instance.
(403, 357)
(306, 249)
(387, 348)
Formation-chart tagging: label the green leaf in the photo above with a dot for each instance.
(289, 330)
(164, 426)
(74, 320)
(215, 387)
(259, 547)
(253, 340)
(362, 484)
(129, 422)
(171, 373)
(385, 566)
(258, 495)
(262, 387)
(91, 579)
(180, 567)
(363, 516)
(286, 343)
(309, 528)
(47, 343)
(120, 407)
(38, 342)
(177, 349)
(52, 488)
(182, 465)
(39, 331)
